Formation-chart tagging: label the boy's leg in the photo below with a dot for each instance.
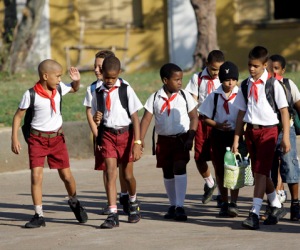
(134, 210)
(180, 189)
(36, 194)
(124, 196)
(69, 181)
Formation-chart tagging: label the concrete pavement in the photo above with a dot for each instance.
(203, 230)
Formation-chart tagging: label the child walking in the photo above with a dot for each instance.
(47, 138)
(288, 163)
(220, 113)
(118, 137)
(261, 134)
(200, 86)
(176, 122)
(99, 164)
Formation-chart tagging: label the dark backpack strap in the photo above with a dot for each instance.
(270, 94)
(153, 131)
(184, 97)
(28, 116)
(199, 82)
(123, 96)
(244, 88)
(60, 93)
(215, 105)
(101, 108)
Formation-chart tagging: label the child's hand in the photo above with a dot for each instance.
(137, 152)
(16, 147)
(74, 74)
(97, 117)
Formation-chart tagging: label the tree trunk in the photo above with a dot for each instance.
(205, 12)
(25, 34)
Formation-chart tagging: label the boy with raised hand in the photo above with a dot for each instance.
(289, 164)
(200, 86)
(118, 137)
(176, 122)
(99, 58)
(261, 133)
(47, 138)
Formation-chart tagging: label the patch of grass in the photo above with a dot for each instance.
(12, 87)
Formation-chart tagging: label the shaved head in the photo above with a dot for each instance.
(48, 65)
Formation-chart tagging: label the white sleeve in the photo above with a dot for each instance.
(192, 85)
(294, 91)
(25, 102)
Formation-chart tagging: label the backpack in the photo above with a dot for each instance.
(269, 90)
(101, 106)
(30, 113)
(93, 86)
(153, 131)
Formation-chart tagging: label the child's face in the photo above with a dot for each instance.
(97, 68)
(52, 78)
(174, 83)
(256, 68)
(277, 68)
(228, 85)
(213, 68)
(110, 77)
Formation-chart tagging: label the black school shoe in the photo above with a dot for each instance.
(36, 222)
(208, 192)
(224, 209)
(79, 211)
(233, 210)
(276, 214)
(180, 214)
(295, 210)
(134, 215)
(124, 201)
(252, 221)
(111, 221)
(171, 213)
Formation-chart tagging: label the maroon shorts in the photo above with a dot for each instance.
(203, 142)
(261, 145)
(54, 149)
(170, 150)
(220, 140)
(117, 146)
(99, 160)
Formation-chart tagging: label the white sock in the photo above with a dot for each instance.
(180, 189)
(38, 209)
(132, 198)
(209, 181)
(170, 189)
(257, 203)
(273, 199)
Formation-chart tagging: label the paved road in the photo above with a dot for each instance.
(203, 230)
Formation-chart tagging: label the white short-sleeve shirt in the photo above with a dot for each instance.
(201, 92)
(117, 117)
(261, 112)
(208, 105)
(88, 96)
(178, 121)
(45, 119)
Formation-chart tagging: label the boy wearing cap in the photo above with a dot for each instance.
(221, 114)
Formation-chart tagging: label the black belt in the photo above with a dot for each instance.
(118, 131)
(46, 134)
(256, 126)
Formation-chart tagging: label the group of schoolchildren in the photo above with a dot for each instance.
(211, 113)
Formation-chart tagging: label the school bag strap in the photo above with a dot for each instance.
(216, 95)
(199, 82)
(26, 127)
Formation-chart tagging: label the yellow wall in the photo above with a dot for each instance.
(236, 41)
(147, 47)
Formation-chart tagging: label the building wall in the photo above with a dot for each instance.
(147, 45)
(236, 40)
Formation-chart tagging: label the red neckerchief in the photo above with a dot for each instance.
(38, 88)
